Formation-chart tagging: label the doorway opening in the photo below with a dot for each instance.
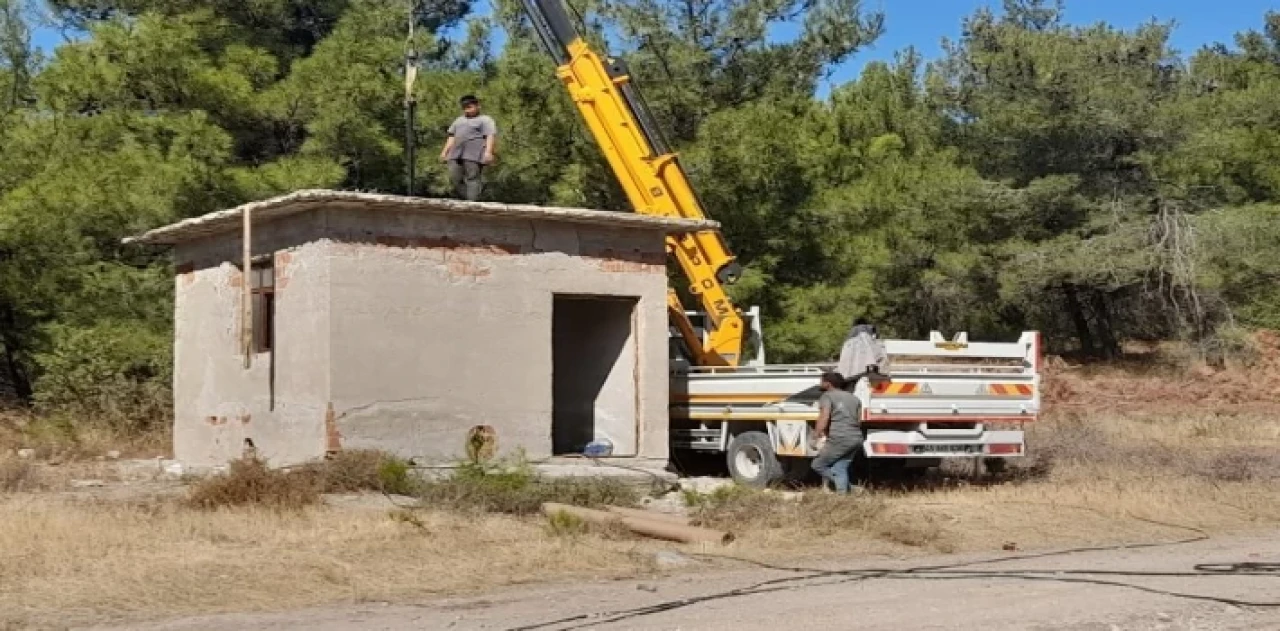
(593, 355)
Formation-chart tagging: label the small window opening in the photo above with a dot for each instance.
(263, 290)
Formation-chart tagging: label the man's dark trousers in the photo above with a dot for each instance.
(466, 178)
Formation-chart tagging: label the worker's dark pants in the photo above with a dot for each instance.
(466, 178)
(833, 460)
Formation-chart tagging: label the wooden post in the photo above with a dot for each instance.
(246, 307)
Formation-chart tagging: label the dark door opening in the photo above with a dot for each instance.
(593, 373)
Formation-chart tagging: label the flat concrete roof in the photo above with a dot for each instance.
(306, 200)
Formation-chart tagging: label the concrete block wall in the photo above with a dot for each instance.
(402, 330)
(441, 323)
(280, 401)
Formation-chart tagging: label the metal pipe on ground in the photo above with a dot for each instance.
(647, 514)
(648, 527)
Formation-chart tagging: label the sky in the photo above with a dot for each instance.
(923, 23)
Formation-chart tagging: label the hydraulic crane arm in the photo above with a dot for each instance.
(651, 175)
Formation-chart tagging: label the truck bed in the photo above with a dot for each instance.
(943, 398)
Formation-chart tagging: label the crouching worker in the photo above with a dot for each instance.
(863, 354)
(838, 430)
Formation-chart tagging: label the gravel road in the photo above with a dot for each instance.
(1134, 588)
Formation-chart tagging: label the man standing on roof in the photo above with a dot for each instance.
(469, 149)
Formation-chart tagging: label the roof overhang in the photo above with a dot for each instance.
(307, 200)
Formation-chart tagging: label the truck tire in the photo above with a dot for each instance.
(995, 466)
(752, 461)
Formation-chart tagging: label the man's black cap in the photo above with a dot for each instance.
(468, 100)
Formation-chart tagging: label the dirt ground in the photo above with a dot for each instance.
(127, 552)
(1135, 588)
(1167, 378)
(1122, 456)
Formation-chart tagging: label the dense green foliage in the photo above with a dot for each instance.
(1086, 181)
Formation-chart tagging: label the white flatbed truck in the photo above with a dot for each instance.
(944, 399)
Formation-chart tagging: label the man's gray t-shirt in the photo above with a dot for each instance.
(846, 410)
(469, 136)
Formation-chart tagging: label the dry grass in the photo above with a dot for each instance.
(1213, 446)
(253, 483)
(68, 562)
(1095, 480)
(250, 482)
(767, 515)
(61, 441)
(1091, 480)
(17, 475)
(511, 488)
(514, 489)
(363, 470)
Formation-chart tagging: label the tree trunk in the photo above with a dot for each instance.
(14, 372)
(1079, 319)
(1110, 346)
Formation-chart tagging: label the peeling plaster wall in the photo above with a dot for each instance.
(279, 402)
(401, 331)
(443, 323)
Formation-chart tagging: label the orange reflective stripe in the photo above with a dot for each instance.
(896, 388)
(1010, 389)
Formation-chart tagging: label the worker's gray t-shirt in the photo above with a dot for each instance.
(846, 410)
(469, 134)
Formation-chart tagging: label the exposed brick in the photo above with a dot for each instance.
(483, 246)
(636, 256)
(466, 267)
(186, 273)
(394, 242)
(610, 265)
(333, 439)
(282, 262)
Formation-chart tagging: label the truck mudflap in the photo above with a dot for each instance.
(918, 444)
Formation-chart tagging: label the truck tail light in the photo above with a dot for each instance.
(1004, 448)
(889, 449)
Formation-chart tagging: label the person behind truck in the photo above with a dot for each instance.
(862, 354)
(839, 431)
(469, 149)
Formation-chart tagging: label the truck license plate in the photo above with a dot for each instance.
(951, 449)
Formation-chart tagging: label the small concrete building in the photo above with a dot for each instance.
(393, 323)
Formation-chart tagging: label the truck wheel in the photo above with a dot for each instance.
(995, 466)
(752, 461)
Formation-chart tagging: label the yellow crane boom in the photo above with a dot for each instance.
(652, 177)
